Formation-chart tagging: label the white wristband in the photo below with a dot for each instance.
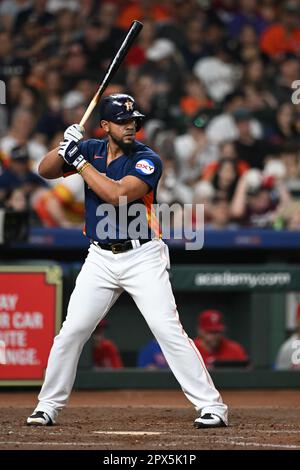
(79, 162)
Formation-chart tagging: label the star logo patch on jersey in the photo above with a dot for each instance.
(129, 105)
(145, 167)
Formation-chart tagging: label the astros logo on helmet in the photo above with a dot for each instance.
(119, 107)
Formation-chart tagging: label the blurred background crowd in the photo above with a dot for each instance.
(219, 82)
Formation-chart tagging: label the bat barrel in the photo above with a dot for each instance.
(122, 52)
(134, 30)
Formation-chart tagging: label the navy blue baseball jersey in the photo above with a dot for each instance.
(106, 223)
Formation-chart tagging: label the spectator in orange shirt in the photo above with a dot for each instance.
(105, 352)
(212, 343)
(283, 37)
(195, 97)
(146, 9)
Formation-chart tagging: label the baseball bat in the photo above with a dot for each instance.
(133, 31)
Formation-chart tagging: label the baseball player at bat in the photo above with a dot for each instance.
(117, 169)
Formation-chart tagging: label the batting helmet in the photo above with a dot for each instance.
(120, 107)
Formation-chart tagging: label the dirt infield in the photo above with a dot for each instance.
(153, 420)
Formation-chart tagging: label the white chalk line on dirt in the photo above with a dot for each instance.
(256, 444)
(278, 431)
(229, 441)
(265, 431)
(156, 433)
(130, 433)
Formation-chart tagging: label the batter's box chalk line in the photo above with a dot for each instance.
(130, 433)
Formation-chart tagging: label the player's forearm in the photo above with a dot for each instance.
(51, 165)
(107, 189)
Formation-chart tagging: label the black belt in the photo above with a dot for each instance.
(120, 247)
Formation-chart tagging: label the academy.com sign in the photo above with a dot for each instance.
(242, 279)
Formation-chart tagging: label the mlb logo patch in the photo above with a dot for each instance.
(145, 167)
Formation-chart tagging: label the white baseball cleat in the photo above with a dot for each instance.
(39, 418)
(209, 420)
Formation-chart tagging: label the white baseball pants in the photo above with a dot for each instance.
(142, 272)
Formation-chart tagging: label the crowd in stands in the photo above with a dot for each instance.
(219, 82)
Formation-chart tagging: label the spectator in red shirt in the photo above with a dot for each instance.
(283, 37)
(212, 343)
(105, 352)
